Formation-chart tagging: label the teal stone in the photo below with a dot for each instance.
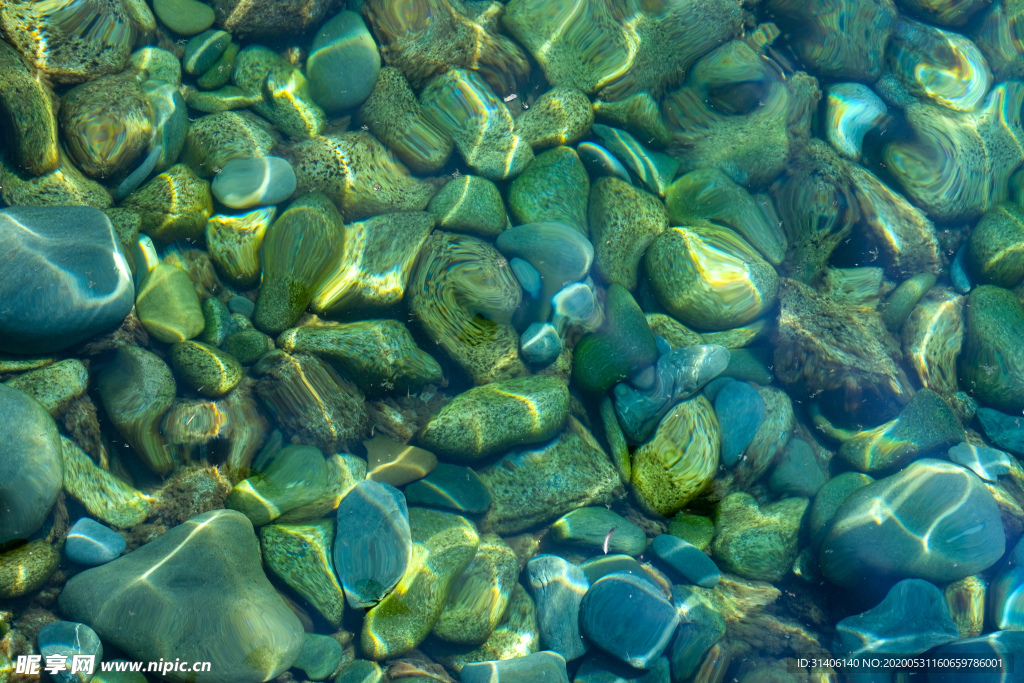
(997, 644)
(360, 671)
(960, 272)
(31, 466)
(987, 463)
(203, 50)
(68, 639)
(170, 122)
(470, 204)
(829, 499)
(294, 477)
(373, 546)
(603, 565)
(879, 531)
(797, 473)
(91, 543)
(1006, 600)
(992, 361)
(343, 63)
(205, 572)
(187, 17)
(450, 487)
(245, 183)
(608, 670)
(241, 305)
(600, 528)
(319, 657)
(687, 560)
(538, 667)
(600, 163)
(219, 325)
(655, 170)
(1003, 430)
(628, 618)
(700, 627)
(897, 308)
(139, 175)
(558, 587)
(740, 410)
(540, 344)
(528, 276)
(623, 345)
(553, 187)
(912, 619)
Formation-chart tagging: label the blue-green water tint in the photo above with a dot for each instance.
(769, 255)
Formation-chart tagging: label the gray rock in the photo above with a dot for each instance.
(92, 543)
(31, 469)
(558, 587)
(245, 183)
(628, 618)
(196, 593)
(912, 619)
(65, 277)
(68, 638)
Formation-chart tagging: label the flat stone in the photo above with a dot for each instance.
(987, 463)
(689, 560)
(599, 527)
(997, 643)
(450, 487)
(31, 469)
(797, 473)
(628, 618)
(54, 386)
(539, 667)
(1002, 429)
(67, 639)
(187, 17)
(700, 627)
(91, 543)
(912, 619)
(301, 556)
(105, 496)
(67, 278)
(206, 573)
(558, 587)
(245, 183)
(602, 565)
(395, 463)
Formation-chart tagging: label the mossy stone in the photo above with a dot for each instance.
(624, 220)
(623, 345)
(63, 186)
(219, 73)
(248, 346)
(480, 595)
(301, 556)
(160, 64)
(31, 110)
(995, 249)
(203, 50)
(174, 205)
(360, 671)
(674, 332)
(187, 17)
(54, 386)
(218, 323)
(469, 204)
(560, 116)
(552, 187)
(992, 362)
(216, 139)
(898, 307)
(207, 369)
(493, 418)
(167, 304)
(749, 365)
(26, 568)
(106, 497)
(639, 114)
(757, 543)
(694, 529)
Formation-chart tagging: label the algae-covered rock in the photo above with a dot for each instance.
(469, 204)
(167, 304)
(26, 568)
(54, 386)
(105, 496)
(300, 555)
(30, 107)
(992, 361)
(174, 205)
(553, 187)
(624, 221)
(216, 139)
(756, 542)
(622, 345)
(207, 369)
(480, 595)
(560, 116)
(492, 418)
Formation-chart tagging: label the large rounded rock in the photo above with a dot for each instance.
(196, 593)
(933, 520)
(31, 470)
(64, 278)
(992, 363)
(343, 63)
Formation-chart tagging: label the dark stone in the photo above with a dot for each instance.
(628, 618)
(912, 619)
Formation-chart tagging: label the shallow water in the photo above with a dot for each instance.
(526, 341)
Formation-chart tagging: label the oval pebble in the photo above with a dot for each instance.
(69, 638)
(599, 527)
(187, 17)
(740, 411)
(204, 50)
(343, 63)
(92, 543)
(540, 344)
(528, 276)
(689, 560)
(539, 667)
(245, 183)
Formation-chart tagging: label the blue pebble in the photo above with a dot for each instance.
(687, 559)
(451, 487)
(959, 271)
(602, 565)
(1006, 597)
(913, 618)
(987, 463)
(245, 183)
(578, 304)
(740, 411)
(538, 667)
(700, 627)
(373, 543)
(92, 543)
(1016, 556)
(628, 618)
(540, 344)
(997, 644)
(797, 473)
(528, 276)
(69, 638)
(1005, 431)
(170, 121)
(136, 177)
(558, 587)
(712, 388)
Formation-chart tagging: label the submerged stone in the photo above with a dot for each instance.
(622, 345)
(450, 487)
(992, 361)
(396, 463)
(301, 555)
(1002, 429)
(167, 304)
(624, 221)
(319, 657)
(758, 543)
(688, 560)
(740, 410)
(470, 204)
(245, 183)
(67, 639)
(174, 205)
(797, 473)
(558, 588)
(538, 667)
(91, 543)
(295, 476)
(599, 527)
(912, 619)
(105, 496)
(26, 568)
(54, 386)
(373, 547)
(30, 107)
(560, 116)
(700, 627)
(480, 595)
(207, 369)
(627, 617)
(343, 63)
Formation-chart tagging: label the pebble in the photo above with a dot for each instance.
(480, 595)
(1006, 597)
(602, 565)
(205, 368)
(987, 463)
(959, 271)
(528, 276)
(92, 543)
(758, 543)
(558, 587)
(740, 410)
(470, 204)
(797, 473)
(66, 280)
(54, 386)
(450, 487)
(319, 657)
(187, 17)
(67, 639)
(27, 567)
(688, 560)
(343, 63)
(245, 183)
(540, 344)
(600, 528)
(997, 644)
(203, 50)
(396, 463)
(300, 555)
(294, 477)
(360, 671)
(167, 305)
(912, 619)
(700, 627)
(242, 305)
(1003, 430)
(628, 618)
(538, 667)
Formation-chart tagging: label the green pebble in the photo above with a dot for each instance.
(600, 528)
(187, 17)
(31, 109)
(218, 323)
(694, 529)
(208, 370)
(639, 114)
(248, 346)
(675, 333)
(223, 99)
(217, 138)
(319, 657)
(54, 386)
(161, 65)
(469, 204)
(219, 73)
(623, 345)
(492, 418)
(897, 308)
(995, 249)
(616, 439)
(480, 595)
(25, 569)
(553, 187)
(624, 220)
(748, 365)
(992, 361)
(295, 477)
(174, 205)
(203, 50)
(106, 497)
(167, 304)
(757, 543)
(560, 116)
(450, 487)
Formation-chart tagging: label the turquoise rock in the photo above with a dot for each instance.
(373, 546)
(628, 618)
(66, 280)
(599, 527)
(877, 532)
(757, 542)
(553, 187)
(139, 175)
(538, 667)
(623, 345)
(67, 639)
(319, 657)
(797, 473)
(450, 487)
(678, 374)
(700, 627)
(987, 463)
(245, 183)
(1006, 600)
(995, 644)
(31, 468)
(360, 671)
(602, 565)
(604, 669)
(960, 271)
(205, 572)
(294, 477)
(829, 499)
(577, 304)
(91, 543)
(912, 619)
(688, 560)
(1003, 430)
(654, 169)
(528, 276)
(852, 111)
(600, 163)
(540, 344)
(558, 587)
(203, 50)
(343, 63)
(241, 305)
(740, 410)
